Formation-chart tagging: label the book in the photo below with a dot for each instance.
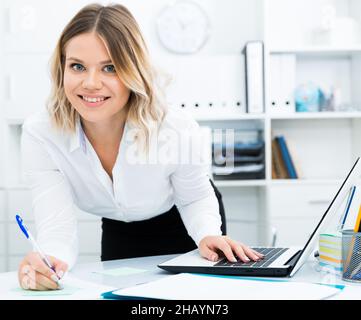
(275, 170)
(295, 159)
(277, 161)
(286, 156)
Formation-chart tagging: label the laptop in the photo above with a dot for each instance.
(278, 262)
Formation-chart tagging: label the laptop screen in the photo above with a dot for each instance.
(329, 214)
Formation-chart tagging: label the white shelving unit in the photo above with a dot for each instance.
(324, 144)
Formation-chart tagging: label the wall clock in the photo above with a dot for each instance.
(183, 27)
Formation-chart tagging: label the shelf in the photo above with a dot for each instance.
(318, 50)
(225, 117)
(317, 115)
(275, 182)
(304, 182)
(239, 183)
(296, 115)
(208, 117)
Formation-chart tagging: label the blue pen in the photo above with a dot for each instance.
(28, 235)
(348, 205)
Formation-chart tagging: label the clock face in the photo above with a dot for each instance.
(183, 27)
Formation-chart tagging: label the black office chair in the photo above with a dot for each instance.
(221, 208)
(117, 234)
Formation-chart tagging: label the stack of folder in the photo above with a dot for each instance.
(238, 154)
(330, 255)
(239, 160)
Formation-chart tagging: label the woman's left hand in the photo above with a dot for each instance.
(210, 246)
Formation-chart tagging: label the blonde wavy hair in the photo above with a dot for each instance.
(119, 30)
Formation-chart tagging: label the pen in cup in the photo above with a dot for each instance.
(29, 236)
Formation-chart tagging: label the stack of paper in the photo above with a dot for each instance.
(330, 255)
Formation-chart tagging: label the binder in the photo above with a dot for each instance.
(254, 67)
(282, 83)
(288, 80)
(275, 83)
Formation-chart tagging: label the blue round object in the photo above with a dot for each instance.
(307, 98)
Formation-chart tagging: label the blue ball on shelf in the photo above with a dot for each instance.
(307, 98)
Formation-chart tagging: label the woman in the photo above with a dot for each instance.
(110, 146)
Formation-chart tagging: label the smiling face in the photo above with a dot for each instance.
(90, 82)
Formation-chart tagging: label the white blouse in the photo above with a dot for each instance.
(64, 171)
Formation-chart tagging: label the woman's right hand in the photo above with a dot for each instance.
(34, 274)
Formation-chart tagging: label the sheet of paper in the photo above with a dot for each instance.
(67, 290)
(123, 271)
(74, 288)
(194, 286)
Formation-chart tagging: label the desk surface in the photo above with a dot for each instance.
(90, 273)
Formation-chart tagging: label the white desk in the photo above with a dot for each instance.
(88, 273)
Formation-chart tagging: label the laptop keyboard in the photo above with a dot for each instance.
(270, 255)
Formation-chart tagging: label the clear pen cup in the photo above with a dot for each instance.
(351, 256)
